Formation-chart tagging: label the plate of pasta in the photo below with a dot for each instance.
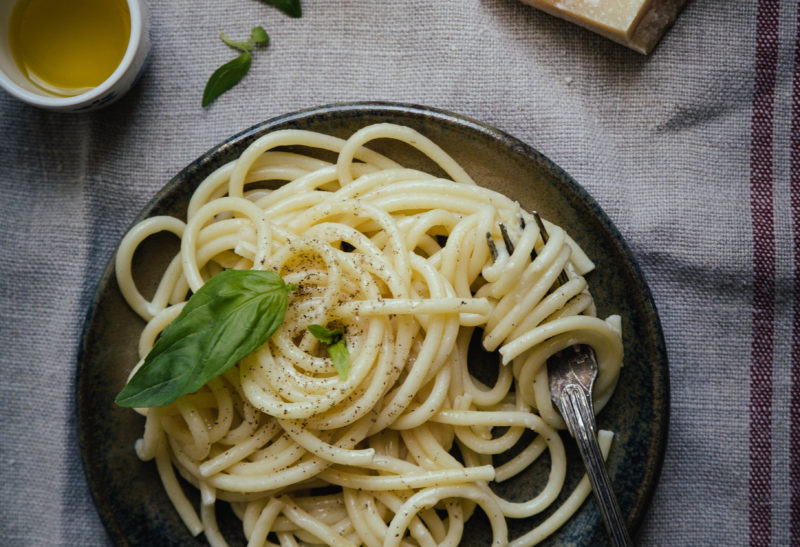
(333, 329)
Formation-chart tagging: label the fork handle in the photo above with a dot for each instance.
(580, 421)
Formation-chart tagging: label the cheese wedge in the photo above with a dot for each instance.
(637, 24)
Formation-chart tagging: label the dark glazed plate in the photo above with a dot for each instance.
(128, 493)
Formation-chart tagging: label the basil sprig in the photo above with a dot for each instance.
(228, 318)
(337, 349)
(289, 7)
(232, 72)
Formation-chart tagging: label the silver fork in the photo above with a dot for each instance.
(572, 373)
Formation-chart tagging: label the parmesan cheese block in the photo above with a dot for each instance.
(637, 24)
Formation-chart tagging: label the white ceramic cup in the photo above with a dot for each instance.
(115, 86)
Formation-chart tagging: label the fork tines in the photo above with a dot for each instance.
(509, 245)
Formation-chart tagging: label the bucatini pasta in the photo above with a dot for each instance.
(399, 260)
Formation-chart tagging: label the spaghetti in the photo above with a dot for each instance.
(398, 452)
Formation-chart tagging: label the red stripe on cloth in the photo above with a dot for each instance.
(794, 405)
(761, 206)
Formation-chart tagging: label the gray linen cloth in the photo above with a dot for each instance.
(693, 151)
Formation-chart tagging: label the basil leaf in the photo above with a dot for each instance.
(259, 36)
(325, 335)
(225, 77)
(337, 349)
(228, 318)
(340, 357)
(289, 7)
(241, 46)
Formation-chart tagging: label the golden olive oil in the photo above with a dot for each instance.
(68, 47)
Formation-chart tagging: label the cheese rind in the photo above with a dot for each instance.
(637, 24)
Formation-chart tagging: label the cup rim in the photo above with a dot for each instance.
(134, 43)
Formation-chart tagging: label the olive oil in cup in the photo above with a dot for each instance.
(72, 55)
(69, 47)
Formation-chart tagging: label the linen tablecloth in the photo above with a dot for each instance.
(693, 151)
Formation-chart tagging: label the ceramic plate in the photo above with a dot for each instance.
(128, 493)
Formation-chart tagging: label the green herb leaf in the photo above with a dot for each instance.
(241, 46)
(337, 349)
(225, 77)
(340, 357)
(326, 335)
(228, 318)
(289, 7)
(232, 72)
(259, 36)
